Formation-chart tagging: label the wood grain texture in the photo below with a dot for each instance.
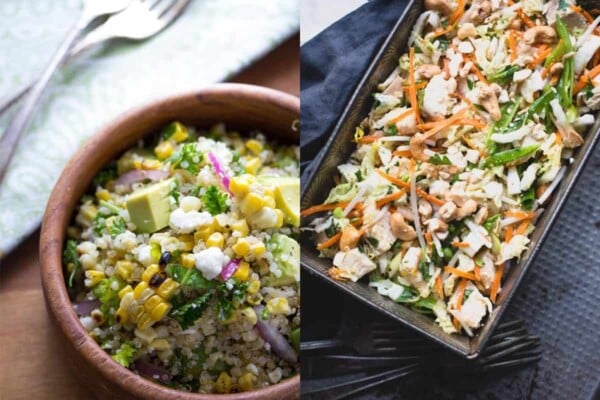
(33, 364)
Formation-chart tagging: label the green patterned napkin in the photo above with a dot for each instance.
(210, 41)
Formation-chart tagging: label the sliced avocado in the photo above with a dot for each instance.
(287, 196)
(286, 253)
(149, 208)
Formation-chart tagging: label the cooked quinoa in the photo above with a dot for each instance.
(468, 138)
(183, 262)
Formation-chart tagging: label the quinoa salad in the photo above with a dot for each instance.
(467, 140)
(182, 261)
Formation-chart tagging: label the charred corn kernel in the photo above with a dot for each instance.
(180, 132)
(215, 240)
(251, 203)
(186, 242)
(278, 305)
(246, 382)
(254, 146)
(269, 201)
(188, 260)
(254, 299)
(253, 287)
(103, 194)
(135, 312)
(203, 233)
(88, 211)
(249, 315)
(253, 165)
(147, 335)
(160, 344)
(144, 321)
(241, 226)
(93, 277)
(258, 249)
(223, 383)
(149, 272)
(241, 247)
(243, 272)
(124, 269)
(139, 289)
(167, 288)
(125, 290)
(163, 150)
(160, 311)
(121, 316)
(152, 302)
(240, 185)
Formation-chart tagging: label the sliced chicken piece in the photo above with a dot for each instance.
(353, 264)
(437, 101)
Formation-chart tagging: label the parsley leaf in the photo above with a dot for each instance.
(70, 257)
(125, 354)
(107, 174)
(109, 296)
(188, 158)
(189, 313)
(227, 298)
(190, 277)
(215, 201)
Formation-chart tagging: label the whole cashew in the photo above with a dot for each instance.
(489, 101)
(467, 209)
(401, 229)
(539, 35)
(349, 239)
(447, 211)
(439, 5)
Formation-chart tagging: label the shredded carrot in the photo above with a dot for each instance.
(586, 78)
(438, 287)
(419, 85)
(401, 116)
(477, 272)
(460, 10)
(558, 138)
(522, 227)
(512, 45)
(441, 32)
(525, 18)
(330, 242)
(469, 142)
(476, 71)
(370, 138)
(406, 185)
(322, 207)
(508, 235)
(428, 238)
(541, 189)
(543, 52)
(458, 272)
(412, 90)
(461, 294)
(456, 323)
(390, 197)
(596, 58)
(496, 283)
(402, 153)
(460, 245)
(471, 121)
(520, 214)
(440, 125)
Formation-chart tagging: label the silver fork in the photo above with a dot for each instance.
(140, 20)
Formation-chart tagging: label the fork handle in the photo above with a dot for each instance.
(321, 344)
(20, 121)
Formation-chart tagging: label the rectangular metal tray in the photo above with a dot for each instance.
(338, 148)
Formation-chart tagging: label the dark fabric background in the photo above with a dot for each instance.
(559, 299)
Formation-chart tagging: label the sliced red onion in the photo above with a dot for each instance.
(140, 175)
(152, 371)
(278, 342)
(85, 307)
(230, 268)
(219, 170)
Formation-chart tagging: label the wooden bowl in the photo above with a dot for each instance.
(242, 107)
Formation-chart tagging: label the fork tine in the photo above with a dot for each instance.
(504, 344)
(508, 351)
(383, 381)
(504, 335)
(512, 363)
(174, 11)
(510, 325)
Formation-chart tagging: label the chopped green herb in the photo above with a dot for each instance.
(215, 201)
(106, 175)
(189, 313)
(70, 256)
(188, 158)
(438, 159)
(125, 354)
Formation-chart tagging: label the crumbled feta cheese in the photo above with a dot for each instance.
(187, 222)
(143, 254)
(125, 241)
(210, 262)
(190, 203)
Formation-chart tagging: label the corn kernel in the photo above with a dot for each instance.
(254, 287)
(160, 311)
(149, 272)
(269, 201)
(145, 321)
(160, 344)
(223, 383)
(240, 185)
(137, 164)
(121, 316)
(241, 247)
(152, 302)
(125, 290)
(139, 289)
(249, 314)
(203, 233)
(163, 150)
(251, 203)
(167, 288)
(253, 165)
(88, 211)
(215, 240)
(254, 146)
(124, 269)
(188, 260)
(151, 164)
(127, 300)
(243, 272)
(103, 194)
(93, 277)
(254, 299)
(155, 251)
(186, 242)
(278, 305)
(258, 249)
(279, 223)
(135, 312)
(241, 226)
(146, 294)
(180, 132)
(246, 382)
(147, 335)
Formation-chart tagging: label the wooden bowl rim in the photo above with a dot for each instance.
(51, 241)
